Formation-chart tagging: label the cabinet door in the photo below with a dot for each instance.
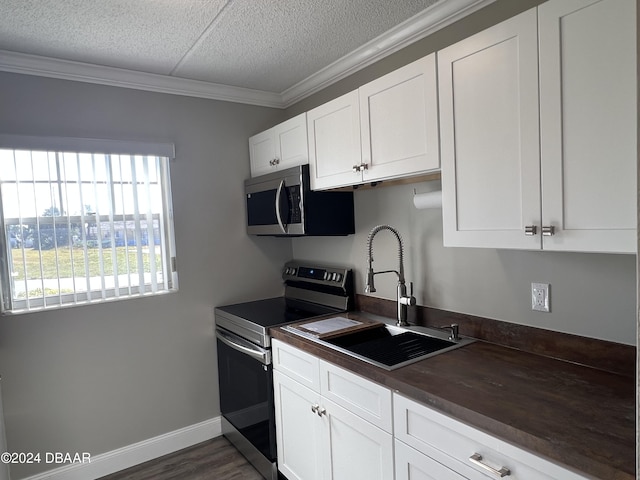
(354, 449)
(413, 465)
(291, 142)
(298, 429)
(399, 122)
(262, 153)
(334, 143)
(588, 124)
(367, 399)
(489, 131)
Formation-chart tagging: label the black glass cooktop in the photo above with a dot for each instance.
(276, 311)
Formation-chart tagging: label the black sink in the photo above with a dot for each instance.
(391, 347)
(379, 345)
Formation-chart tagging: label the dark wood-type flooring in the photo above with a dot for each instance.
(214, 459)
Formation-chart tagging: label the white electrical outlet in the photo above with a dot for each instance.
(540, 300)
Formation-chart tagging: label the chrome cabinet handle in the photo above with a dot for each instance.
(548, 231)
(318, 410)
(364, 166)
(530, 230)
(356, 168)
(476, 459)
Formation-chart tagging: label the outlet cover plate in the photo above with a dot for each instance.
(540, 300)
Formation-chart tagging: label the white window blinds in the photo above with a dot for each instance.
(84, 221)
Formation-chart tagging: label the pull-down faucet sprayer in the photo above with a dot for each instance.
(403, 300)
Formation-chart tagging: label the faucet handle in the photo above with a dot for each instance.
(408, 300)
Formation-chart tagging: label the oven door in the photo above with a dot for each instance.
(246, 390)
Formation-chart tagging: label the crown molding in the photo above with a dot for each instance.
(117, 77)
(417, 27)
(438, 16)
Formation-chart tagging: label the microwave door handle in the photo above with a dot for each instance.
(283, 227)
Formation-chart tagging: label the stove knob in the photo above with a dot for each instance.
(293, 271)
(334, 276)
(327, 275)
(339, 277)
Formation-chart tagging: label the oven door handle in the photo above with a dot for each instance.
(245, 347)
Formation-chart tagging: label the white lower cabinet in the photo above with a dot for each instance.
(414, 465)
(319, 438)
(353, 448)
(332, 424)
(468, 452)
(298, 430)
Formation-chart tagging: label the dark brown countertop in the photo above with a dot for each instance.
(575, 415)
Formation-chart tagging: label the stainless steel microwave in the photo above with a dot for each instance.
(283, 204)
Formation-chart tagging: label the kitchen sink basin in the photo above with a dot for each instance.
(391, 347)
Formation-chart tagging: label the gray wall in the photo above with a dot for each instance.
(494, 13)
(593, 295)
(101, 377)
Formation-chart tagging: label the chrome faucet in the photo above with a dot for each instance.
(403, 301)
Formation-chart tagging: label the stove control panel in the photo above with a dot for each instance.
(323, 274)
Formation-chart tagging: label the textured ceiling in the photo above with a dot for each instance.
(267, 45)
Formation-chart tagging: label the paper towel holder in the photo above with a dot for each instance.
(427, 200)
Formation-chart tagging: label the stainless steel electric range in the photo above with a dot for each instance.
(244, 353)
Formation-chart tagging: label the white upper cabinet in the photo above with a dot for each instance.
(588, 124)
(489, 136)
(399, 122)
(282, 146)
(334, 143)
(542, 157)
(387, 128)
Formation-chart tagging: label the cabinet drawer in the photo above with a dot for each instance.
(413, 465)
(450, 441)
(366, 399)
(298, 365)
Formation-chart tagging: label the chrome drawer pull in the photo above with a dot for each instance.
(530, 230)
(477, 459)
(314, 408)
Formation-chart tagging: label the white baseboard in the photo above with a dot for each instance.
(122, 458)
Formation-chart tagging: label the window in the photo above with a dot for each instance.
(83, 221)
